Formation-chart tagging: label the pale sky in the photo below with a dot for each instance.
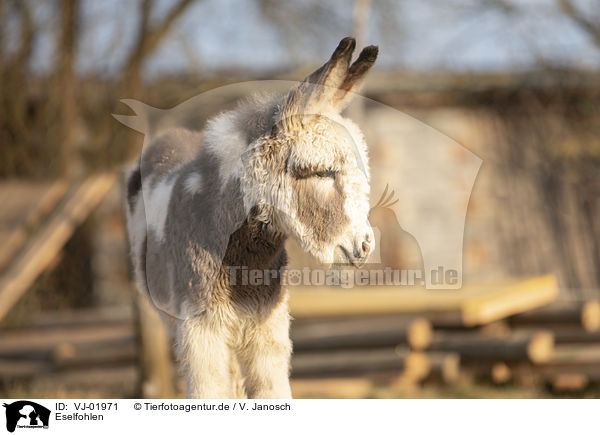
(423, 35)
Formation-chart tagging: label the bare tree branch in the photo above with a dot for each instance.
(27, 32)
(592, 28)
(148, 39)
(69, 11)
(2, 30)
(155, 35)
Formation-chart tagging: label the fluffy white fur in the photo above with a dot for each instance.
(156, 199)
(227, 143)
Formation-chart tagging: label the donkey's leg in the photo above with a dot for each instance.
(265, 357)
(205, 357)
(238, 389)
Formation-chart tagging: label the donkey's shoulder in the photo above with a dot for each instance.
(160, 159)
(169, 151)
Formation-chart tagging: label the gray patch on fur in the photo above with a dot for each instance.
(325, 218)
(207, 232)
(169, 151)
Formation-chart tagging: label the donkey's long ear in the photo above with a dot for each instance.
(356, 76)
(319, 90)
(329, 88)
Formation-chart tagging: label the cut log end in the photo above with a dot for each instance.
(416, 366)
(63, 352)
(501, 373)
(590, 316)
(541, 347)
(420, 334)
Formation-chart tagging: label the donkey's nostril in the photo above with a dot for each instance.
(361, 249)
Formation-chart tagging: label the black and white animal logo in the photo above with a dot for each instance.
(26, 414)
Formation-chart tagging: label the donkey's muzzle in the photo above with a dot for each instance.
(361, 250)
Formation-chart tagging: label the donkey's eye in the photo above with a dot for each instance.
(302, 173)
(325, 174)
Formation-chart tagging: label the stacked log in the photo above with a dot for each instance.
(61, 346)
(82, 350)
(557, 346)
(53, 350)
(395, 361)
(360, 332)
(353, 332)
(575, 360)
(475, 346)
(581, 315)
(361, 345)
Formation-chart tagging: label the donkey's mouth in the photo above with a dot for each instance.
(351, 259)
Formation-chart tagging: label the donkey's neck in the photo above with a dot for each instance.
(255, 258)
(254, 264)
(254, 244)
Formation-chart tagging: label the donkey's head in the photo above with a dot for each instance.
(311, 169)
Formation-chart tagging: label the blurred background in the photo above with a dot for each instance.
(515, 82)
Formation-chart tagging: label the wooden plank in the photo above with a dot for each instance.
(517, 298)
(45, 340)
(13, 369)
(23, 221)
(81, 317)
(50, 238)
(68, 357)
(476, 304)
(328, 302)
(125, 376)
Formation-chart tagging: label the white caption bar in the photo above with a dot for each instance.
(300, 416)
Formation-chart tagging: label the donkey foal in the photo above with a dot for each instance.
(201, 206)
